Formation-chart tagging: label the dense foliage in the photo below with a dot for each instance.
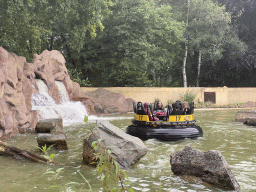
(136, 47)
(138, 42)
(238, 71)
(28, 27)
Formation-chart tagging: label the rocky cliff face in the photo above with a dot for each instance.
(106, 102)
(17, 85)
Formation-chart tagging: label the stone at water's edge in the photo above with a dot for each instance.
(209, 166)
(49, 126)
(125, 149)
(51, 133)
(241, 116)
(250, 121)
(57, 140)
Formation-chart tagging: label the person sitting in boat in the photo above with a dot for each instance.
(159, 106)
(159, 111)
(185, 108)
(148, 112)
(177, 108)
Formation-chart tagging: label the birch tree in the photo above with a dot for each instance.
(186, 49)
(208, 29)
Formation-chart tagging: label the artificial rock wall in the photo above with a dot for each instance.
(17, 85)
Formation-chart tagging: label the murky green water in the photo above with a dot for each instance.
(235, 141)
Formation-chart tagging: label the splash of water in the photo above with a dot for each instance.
(63, 91)
(72, 112)
(69, 111)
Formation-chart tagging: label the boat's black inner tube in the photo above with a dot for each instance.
(134, 107)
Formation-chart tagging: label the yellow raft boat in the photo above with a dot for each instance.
(176, 122)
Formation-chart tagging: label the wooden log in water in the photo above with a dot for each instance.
(7, 150)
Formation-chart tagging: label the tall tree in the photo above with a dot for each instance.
(186, 48)
(241, 65)
(209, 26)
(208, 31)
(22, 26)
(28, 27)
(140, 39)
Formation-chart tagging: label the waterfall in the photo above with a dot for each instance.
(43, 102)
(63, 91)
(69, 111)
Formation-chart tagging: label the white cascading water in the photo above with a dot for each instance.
(43, 102)
(63, 91)
(69, 111)
(72, 112)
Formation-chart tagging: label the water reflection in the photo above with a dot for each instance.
(235, 141)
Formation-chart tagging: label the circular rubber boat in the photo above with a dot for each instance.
(175, 123)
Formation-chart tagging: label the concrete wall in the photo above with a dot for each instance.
(221, 94)
(224, 95)
(241, 95)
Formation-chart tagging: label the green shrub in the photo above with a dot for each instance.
(188, 96)
(76, 76)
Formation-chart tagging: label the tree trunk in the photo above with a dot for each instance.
(7, 150)
(186, 50)
(198, 68)
(184, 65)
(51, 43)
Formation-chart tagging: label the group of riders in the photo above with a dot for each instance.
(159, 112)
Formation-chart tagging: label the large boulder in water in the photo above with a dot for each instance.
(125, 149)
(110, 101)
(51, 134)
(56, 140)
(250, 121)
(49, 126)
(241, 116)
(209, 166)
